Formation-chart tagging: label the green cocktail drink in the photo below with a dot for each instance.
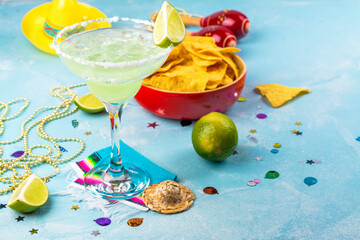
(113, 55)
(114, 45)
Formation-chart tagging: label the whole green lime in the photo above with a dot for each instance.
(215, 136)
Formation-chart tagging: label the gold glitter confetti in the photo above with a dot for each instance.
(75, 207)
(33, 231)
(134, 222)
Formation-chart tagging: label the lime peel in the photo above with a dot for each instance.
(89, 103)
(31, 194)
(214, 137)
(169, 28)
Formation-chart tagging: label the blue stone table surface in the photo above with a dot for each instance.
(307, 44)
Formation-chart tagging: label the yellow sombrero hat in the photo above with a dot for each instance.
(41, 24)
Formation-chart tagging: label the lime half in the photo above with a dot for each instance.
(31, 194)
(89, 103)
(169, 27)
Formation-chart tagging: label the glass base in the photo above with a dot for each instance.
(99, 183)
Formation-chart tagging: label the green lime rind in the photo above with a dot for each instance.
(86, 108)
(215, 137)
(30, 195)
(169, 28)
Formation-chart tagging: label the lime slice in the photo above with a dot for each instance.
(31, 194)
(89, 103)
(169, 27)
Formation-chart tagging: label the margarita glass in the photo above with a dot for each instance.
(113, 55)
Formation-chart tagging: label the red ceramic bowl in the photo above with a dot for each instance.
(192, 105)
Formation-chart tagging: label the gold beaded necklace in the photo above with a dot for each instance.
(28, 159)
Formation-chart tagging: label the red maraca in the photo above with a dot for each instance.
(223, 37)
(234, 20)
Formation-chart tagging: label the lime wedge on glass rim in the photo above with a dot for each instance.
(169, 28)
(89, 103)
(31, 194)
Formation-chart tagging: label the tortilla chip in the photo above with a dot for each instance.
(188, 81)
(195, 65)
(278, 94)
(216, 73)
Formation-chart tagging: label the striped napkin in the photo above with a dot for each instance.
(129, 155)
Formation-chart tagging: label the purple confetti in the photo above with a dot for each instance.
(103, 221)
(261, 116)
(17, 154)
(217, 110)
(257, 181)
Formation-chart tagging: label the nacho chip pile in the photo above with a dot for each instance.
(195, 65)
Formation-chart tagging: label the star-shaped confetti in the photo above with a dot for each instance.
(160, 111)
(310, 162)
(95, 232)
(253, 131)
(33, 231)
(153, 125)
(75, 207)
(2, 206)
(298, 123)
(258, 158)
(87, 133)
(296, 132)
(20, 218)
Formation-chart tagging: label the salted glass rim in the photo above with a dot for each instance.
(132, 63)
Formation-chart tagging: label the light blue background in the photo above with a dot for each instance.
(309, 44)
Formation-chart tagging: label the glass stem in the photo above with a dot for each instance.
(116, 170)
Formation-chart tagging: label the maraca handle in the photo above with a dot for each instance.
(223, 37)
(190, 21)
(193, 21)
